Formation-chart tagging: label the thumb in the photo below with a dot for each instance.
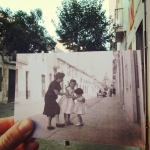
(16, 135)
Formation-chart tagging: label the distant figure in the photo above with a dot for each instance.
(110, 93)
(80, 106)
(114, 91)
(66, 102)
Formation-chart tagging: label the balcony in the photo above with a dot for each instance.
(119, 24)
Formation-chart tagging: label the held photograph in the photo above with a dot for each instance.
(94, 97)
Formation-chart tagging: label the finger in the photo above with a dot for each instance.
(29, 140)
(5, 124)
(16, 134)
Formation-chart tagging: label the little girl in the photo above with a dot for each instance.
(80, 106)
(66, 102)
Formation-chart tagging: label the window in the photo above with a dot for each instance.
(16, 79)
(27, 90)
(76, 74)
(87, 90)
(43, 85)
(77, 85)
(62, 66)
(139, 44)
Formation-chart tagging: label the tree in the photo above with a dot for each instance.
(82, 23)
(22, 33)
(113, 44)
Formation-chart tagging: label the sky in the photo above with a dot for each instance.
(96, 63)
(48, 8)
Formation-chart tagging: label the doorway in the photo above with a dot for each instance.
(11, 86)
(140, 46)
(137, 88)
(139, 39)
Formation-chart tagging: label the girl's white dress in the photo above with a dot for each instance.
(67, 104)
(80, 107)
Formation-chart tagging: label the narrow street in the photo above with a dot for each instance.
(105, 123)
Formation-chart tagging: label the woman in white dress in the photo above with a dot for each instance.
(66, 102)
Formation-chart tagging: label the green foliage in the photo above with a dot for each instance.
(82, 23)
(23, 33)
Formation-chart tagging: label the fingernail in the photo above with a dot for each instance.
(25, 126)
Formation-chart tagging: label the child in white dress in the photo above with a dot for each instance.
(66, 102)
(80, 106)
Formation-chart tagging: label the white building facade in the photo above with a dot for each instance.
(33, 77)
(133, 33)
(88, 83)
(129, 87)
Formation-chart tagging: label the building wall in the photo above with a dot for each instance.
(30, 90)
(128, 92)
(131, 34)
(4, 80)
(37, 67)
(139, 16)
(129, 39)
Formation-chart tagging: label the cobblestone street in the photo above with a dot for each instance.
(105, 123)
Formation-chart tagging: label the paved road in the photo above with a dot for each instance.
(105, 123)
(8, 110)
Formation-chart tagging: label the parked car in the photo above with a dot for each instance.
(104, 94)
(99, 93)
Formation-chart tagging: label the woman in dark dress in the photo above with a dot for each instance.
(51, 108)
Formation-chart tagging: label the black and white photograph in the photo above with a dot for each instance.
(94, 97)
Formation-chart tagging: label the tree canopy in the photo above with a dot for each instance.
(83, 24)
(23, 33)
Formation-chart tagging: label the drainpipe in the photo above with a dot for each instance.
(146, 86)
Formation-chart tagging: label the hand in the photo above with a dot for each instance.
(74, 97)
(16, 136)
(83, 100)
